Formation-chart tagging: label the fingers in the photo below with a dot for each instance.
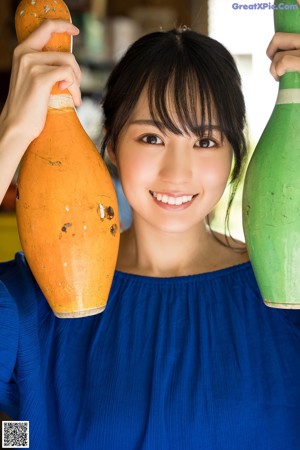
(34, 73)
(284, 62)
(41, 36)
(69, 82)
(43, 78)
(283, 41)
(29, 56)
(284, 51)
(49, 59)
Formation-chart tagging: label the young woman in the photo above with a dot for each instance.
(185, 355)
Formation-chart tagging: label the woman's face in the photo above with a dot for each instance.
(172, 182)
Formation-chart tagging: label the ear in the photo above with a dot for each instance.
(109, 150)
(111, 154)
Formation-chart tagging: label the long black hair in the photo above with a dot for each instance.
(192, 69)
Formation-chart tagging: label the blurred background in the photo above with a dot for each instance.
(108, 28)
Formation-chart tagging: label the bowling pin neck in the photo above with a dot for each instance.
(289, 89)
(29, 16)
(286, 16)
(287, 20)
(290, 80)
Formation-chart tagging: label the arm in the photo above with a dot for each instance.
(33, 74)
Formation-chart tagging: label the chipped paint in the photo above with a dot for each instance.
(61, 101)
(109, 212)
(65, 227)
(101, 211)
(22, 12)
(33, 2)
(46, 9)
(67, 208)
(54, 163)
(114, 229)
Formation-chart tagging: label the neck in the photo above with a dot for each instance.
(154, 252)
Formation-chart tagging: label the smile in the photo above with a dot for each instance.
(172, 199)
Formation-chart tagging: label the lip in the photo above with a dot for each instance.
(174, 195)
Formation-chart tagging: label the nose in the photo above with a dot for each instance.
(176, 164)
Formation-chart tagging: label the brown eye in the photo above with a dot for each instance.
(151, 139)
(206, 143)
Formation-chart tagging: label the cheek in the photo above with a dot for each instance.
(135, 166)
(215, 174)
(135, 175)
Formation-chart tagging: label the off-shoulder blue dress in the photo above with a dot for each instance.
(184, 363)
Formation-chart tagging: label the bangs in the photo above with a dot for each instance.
(192, 86)
(180, 101)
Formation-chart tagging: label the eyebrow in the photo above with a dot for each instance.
(161, 125)
(145, 122)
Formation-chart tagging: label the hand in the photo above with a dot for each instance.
(33, 75)
(284, 52)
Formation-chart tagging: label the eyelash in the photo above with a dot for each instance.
(211, 142)
(146, 136)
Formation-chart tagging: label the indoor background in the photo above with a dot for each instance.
(108, 27)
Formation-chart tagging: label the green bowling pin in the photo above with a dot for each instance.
(271, 197)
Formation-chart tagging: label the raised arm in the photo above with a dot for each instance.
(33, 74)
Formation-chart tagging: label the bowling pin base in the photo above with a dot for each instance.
(78, 314)
(282, 305)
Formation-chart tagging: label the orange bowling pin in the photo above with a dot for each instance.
(67, 210)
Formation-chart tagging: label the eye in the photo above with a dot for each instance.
(151, 139)
(205, 143)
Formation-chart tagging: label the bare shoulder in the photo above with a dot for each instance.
(233, 252)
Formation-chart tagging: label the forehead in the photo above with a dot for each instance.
(185, 115)
(141, 106)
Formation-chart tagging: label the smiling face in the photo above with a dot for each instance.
(201, 79)
(172, 181)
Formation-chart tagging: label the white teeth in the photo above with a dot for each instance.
(172, 200)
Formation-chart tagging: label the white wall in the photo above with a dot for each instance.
(246, 34)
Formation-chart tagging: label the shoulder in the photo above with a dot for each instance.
(15, 274)
(20, 285)
(9, 325)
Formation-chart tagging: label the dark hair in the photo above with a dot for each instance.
(192, 68)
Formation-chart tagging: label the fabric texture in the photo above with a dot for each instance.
(184, 363)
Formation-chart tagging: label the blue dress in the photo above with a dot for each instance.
(184, 363)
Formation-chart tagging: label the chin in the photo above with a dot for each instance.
(175, 226)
